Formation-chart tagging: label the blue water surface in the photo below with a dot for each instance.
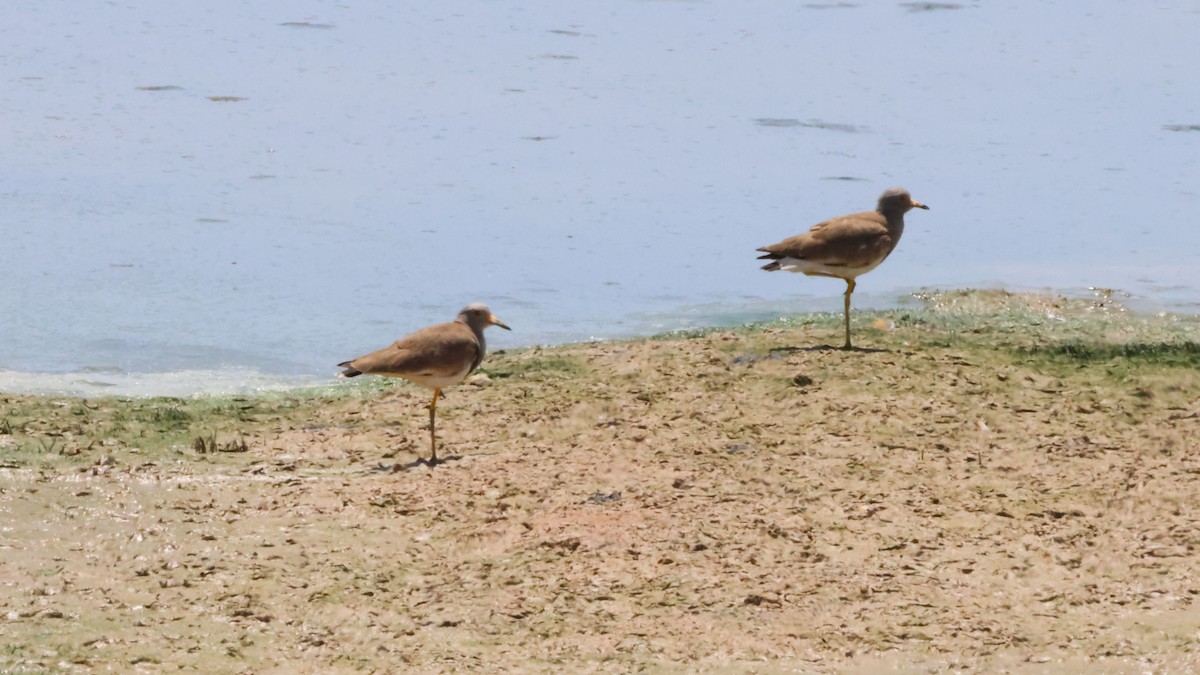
(226, 196)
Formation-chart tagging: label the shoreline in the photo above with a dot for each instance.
(995, 480)
(93, 383)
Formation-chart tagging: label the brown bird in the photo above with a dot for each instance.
(847, 246)
(434, 357)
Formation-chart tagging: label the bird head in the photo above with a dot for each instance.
(478, 317)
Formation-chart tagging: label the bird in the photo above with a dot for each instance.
(847, 246)
(435, 357)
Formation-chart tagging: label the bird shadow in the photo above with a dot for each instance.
(420, 461)
(831, 348)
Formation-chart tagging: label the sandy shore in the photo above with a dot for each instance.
(994, 483)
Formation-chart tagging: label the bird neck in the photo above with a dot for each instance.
(895, 220)
(478, 331)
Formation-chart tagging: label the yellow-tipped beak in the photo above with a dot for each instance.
(497, 322)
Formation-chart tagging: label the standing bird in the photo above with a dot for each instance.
(846, 246)
(434, 357)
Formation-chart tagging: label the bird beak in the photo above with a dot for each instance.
(497, 322)
(919, 205)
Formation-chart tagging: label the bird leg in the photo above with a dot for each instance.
(849, 291)
(432, 416)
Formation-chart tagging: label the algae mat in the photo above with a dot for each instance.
(997, 482)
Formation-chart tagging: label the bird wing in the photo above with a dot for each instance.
(443, 350)
(850, 241)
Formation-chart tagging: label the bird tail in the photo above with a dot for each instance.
(349, 370)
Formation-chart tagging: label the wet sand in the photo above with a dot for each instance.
(995, 482)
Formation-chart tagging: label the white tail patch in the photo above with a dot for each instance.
(813, 267)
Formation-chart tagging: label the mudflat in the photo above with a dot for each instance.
(992, 482)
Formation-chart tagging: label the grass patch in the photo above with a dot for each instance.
(814, 320)
(40, 431)
(535, 366)
(170, 417)
(1173, 355)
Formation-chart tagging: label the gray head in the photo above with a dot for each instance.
(897, 201)
(478, 317)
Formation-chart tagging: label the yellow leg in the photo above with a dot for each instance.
(849, 291)
(432, 417)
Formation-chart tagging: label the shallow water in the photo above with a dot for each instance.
(235, 197)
